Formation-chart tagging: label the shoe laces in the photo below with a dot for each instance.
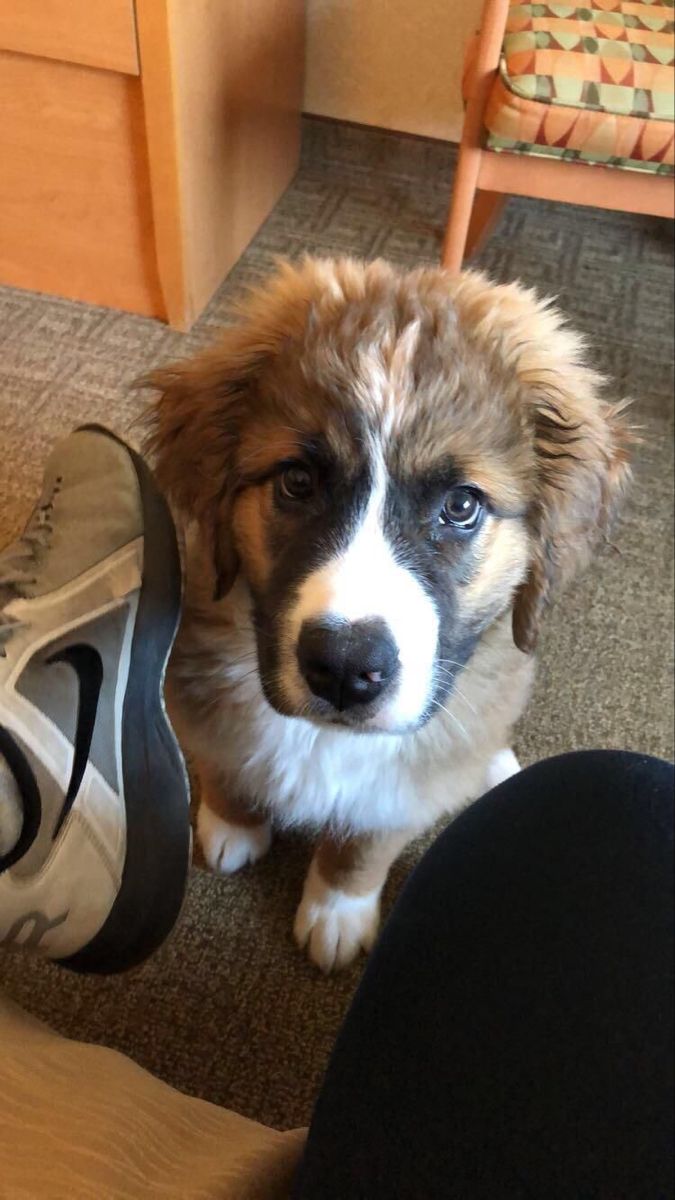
(19, 562)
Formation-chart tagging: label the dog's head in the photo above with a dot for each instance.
(391, 461)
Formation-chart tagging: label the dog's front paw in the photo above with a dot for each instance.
(501, 766)
(228, 847)
(334, 927)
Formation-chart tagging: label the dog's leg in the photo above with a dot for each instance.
(501, 766)
(339, 914)
(231, 833)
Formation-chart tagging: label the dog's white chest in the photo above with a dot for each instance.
(312, 776)
(318, 776)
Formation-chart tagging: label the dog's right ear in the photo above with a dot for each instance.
(194, 425)
(202, 406)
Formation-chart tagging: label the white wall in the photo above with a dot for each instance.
(393, 63)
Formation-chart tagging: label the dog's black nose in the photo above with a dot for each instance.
(347, 663)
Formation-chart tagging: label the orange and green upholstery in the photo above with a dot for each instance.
(593, 83)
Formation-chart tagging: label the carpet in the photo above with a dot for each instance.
(229, 1010)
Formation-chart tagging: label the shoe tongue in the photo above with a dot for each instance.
(20, 805)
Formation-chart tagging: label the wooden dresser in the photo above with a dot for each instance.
(142, 143)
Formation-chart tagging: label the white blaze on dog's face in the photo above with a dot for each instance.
(376, 579)
(390, 461)
(362, 634)
(376, 538)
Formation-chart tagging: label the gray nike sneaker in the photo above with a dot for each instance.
(89, 605)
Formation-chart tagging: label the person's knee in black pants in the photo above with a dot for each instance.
(513, 1035)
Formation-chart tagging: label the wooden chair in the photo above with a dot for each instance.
(485, 176)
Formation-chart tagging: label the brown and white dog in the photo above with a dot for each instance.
(386, 475)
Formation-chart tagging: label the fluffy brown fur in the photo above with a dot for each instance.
(433, 369)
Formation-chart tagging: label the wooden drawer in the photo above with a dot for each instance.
(81, 224)
(142, 143)
(95, 33)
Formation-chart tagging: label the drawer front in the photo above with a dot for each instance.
(81, 225)
(96, 33)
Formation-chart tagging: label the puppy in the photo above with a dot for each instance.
(385, 476)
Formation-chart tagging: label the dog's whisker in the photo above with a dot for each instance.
(450, 677)
(456, 691)
(472, 708)
(444, 673)
(236, 662)
(292, 429)
(452, 716)
(265, 634)
(247, 675)
(247, 457)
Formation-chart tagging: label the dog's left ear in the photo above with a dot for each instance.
(581, 442)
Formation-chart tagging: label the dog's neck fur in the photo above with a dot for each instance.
(317, 776)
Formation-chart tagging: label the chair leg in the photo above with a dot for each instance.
(461, 208)
(487, 208)
(483, 70)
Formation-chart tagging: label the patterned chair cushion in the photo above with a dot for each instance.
(594, 83)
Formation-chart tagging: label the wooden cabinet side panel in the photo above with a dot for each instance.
(75, 211)
(238, 77)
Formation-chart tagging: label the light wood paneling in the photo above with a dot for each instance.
(396, 64)
(75, 216)
(97, 33)
(142, 193)
(232, 93)
(160, 102)
(578, 183)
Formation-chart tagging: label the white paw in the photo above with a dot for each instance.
(333, 926)
(228, 847)
(502, 766)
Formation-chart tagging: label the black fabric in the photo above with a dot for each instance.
(513, 1032)
(29, 793)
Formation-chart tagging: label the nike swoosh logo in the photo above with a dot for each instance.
(88, 666)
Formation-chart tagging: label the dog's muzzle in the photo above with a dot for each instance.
(347, 663)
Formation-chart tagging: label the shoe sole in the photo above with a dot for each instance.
(156, 788)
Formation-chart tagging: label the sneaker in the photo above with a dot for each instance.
(89, 604)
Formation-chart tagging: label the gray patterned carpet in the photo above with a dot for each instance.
(229, 1010)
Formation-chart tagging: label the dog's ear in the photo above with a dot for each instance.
(581, 444)
(202, 407)
(194, 426)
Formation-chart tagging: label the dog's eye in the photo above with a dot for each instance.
(295, 482)
(463, 508)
